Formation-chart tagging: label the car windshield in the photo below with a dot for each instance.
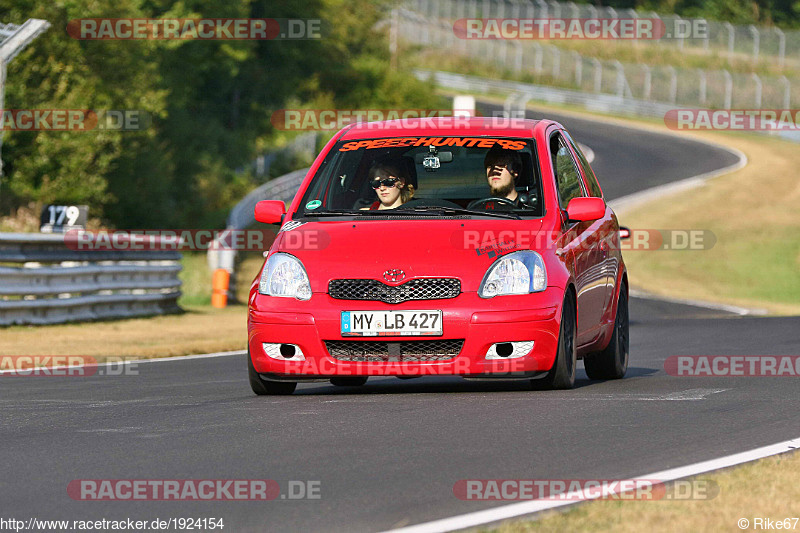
(469, 176)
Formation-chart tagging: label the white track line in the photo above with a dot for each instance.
(735, 309)
(516, 510)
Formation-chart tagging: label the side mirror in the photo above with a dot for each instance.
(585, 209)
(270, 211)
(624, 233)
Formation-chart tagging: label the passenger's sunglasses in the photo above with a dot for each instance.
(388, 182)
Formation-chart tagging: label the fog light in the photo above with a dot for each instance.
(283, 351)
(509, 350)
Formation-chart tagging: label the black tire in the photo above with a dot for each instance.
(612, 363)
(562, 375)
(348, 381)
(262, 387)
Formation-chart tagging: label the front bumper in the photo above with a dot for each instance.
(479, 322)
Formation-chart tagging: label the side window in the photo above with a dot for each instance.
(588, 173)
(568, 179)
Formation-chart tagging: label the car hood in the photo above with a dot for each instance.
(461, 248)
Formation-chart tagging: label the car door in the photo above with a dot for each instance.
(582, 240)
(608, 257)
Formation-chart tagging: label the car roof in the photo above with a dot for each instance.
(449, 126)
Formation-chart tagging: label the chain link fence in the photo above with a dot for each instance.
(431, 25)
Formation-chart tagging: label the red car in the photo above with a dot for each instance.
(476, 247)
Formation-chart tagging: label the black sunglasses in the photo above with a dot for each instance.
(388, 182)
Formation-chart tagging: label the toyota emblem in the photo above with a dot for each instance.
(394, 275)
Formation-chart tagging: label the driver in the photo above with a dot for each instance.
(502, 169)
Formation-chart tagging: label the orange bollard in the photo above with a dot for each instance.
(219, 288)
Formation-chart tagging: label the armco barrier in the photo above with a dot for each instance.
(54, 284)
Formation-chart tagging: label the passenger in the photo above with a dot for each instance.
(502, 170)
(391, 186)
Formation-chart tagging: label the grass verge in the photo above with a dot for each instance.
(766, 488)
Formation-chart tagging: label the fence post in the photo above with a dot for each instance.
(756, 41)
(598, 75)
(578, 68)
(576, 12)
(731, 35)
(757, 81)
(517, 56)
(556, 61)
(673, 84)
(680, 38)
(620, 79)
(703, 85)
(781, 47)
(707, 37)
(728, 89)
(648, 82)
(537, 60)
(787, 87)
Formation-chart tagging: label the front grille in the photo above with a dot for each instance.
(403, 351)
(415, 289)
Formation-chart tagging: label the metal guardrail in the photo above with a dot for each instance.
(56, 284)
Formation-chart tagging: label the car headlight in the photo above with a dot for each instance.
(520, 272)
(285, 276)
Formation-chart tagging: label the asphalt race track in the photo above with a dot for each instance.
(388, 454)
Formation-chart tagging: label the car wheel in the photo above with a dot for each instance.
(612, 363)
(262, 387)
(562, 375)
(355, 381)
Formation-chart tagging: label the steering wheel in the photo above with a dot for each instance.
(484, 201)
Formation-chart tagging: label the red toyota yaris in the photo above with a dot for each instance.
(477, 247)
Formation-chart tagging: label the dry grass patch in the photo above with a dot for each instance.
(765, 488)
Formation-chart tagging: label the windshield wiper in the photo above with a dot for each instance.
(459, 211)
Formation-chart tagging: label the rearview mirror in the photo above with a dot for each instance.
(584, 209)
(270, 211)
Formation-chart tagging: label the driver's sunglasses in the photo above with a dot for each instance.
(388, 182)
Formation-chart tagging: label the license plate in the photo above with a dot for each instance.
(378, 323)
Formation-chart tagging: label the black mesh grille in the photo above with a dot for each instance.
(415, 289)
(385, 351)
